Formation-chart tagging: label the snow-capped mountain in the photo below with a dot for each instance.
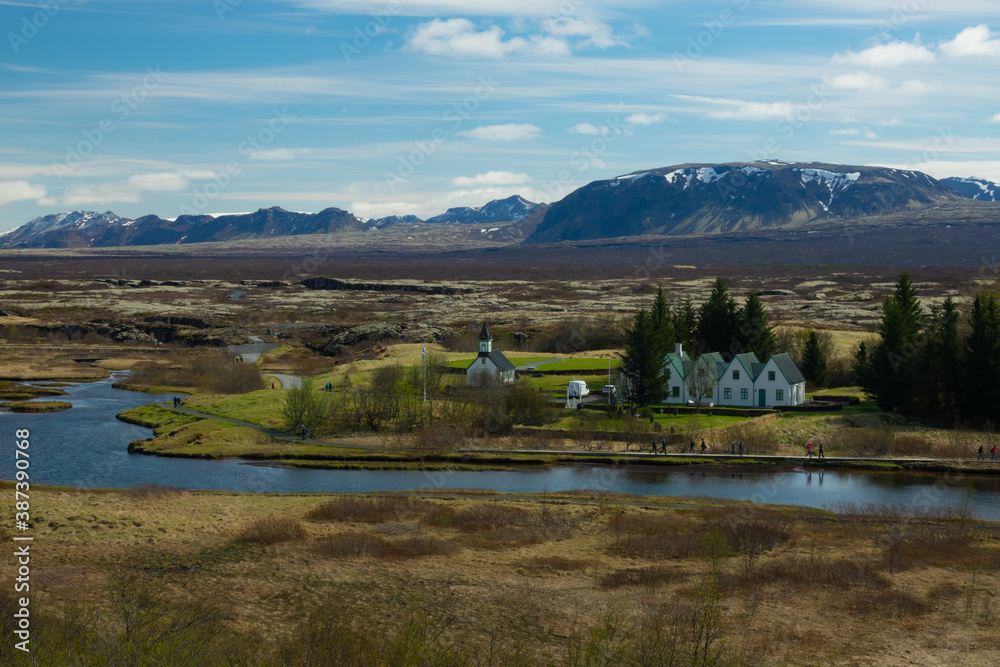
(392, 220)
(498, 210)
(974, 188)
(81, 229)
(712, 198)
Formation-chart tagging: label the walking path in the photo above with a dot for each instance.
(636, 456)
(251, 352)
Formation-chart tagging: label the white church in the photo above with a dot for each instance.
(491, 365)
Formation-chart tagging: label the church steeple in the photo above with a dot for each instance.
(485, 341)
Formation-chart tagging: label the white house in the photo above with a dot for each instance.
(491, 365)
(744, 381)
(779, 382)
(736, 382)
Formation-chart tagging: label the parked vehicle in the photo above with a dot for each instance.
(577, 389)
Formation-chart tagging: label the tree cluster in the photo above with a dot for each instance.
(718, 325)
(921, 364)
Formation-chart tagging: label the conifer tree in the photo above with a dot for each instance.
(685, 323)
(756, 332)
(939, 363)
(643, 369)
(981, 377)
(813, 362)
(663, 322)
(888, 374)
(719, 322)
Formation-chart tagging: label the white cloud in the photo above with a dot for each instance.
(846, 132)
(976, 41)
(861, 82)
(995, 119)
(508, 132)
(892, 54)
(273, 154)
(130, 190)
(755, 111)
(892, 122)
(644, 119)
(916, 87)
(513, 8)
(459, 38)
(597, 34)
(490, 178)
(587, 128)
(12, 191)
(988, 169)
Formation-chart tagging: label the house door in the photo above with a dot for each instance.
(762, 397)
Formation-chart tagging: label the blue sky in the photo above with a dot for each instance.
(216, 106)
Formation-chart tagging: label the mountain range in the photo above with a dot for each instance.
(680, 200)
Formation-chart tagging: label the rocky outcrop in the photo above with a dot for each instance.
(362, 334)
(321, 283)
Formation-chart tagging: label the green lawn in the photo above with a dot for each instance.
(517, 361)
(575, 364)
(258, 407)
(557, 383)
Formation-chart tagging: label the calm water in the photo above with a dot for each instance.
(86, 447)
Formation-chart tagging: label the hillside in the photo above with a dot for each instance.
(738, 197)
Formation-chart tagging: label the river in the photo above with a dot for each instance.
(86, 447)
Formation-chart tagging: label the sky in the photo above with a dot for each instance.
(400, 107)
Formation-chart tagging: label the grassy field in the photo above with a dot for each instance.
(485, 579)
(37, 406)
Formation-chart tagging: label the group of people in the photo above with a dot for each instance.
(993, 453)
(703, 450)
(809, 450)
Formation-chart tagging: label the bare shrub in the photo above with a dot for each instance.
(380, 509)
(751, 532)
(887, 604)
(440, 436)
(868, 442)
(365, 545)
(557, 563)
(639, 577)
(755, 438)
(152, 490)
(272, 530)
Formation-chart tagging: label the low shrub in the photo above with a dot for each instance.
(380, 509)
(365, 545)
(640, 577)
(272, 530)
(148, 490)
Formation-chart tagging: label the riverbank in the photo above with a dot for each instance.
(194, 435)
(440, 571)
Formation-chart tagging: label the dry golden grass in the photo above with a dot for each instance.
(541, 569)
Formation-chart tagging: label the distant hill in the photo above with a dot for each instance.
(82, 229)
(737, 197)
(498, 210)
(974, 188)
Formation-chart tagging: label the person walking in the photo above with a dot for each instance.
(741, 447)
(809, 449)
(821, 455)
(994, 453)
(304, 432)
(732, 447)
(691, 448)
(703, 447)
(653, 449)
(981, 457)
(663, 447)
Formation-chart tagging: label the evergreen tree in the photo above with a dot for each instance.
(981, 376)
(889, 372)
(719, 322)
(939, 361)
(756, 332)
(813, 362)
(663, 322)
(685, 323)
(643, 369)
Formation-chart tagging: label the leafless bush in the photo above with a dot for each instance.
(364, 545)
(272, 530)
(639, 577)
(152, 490)
(381, 509)
(755, 438)
(557, 563)
(751, 532)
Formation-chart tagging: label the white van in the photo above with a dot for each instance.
(577, 389)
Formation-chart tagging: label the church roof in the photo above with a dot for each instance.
(485, 333)
(501, 361)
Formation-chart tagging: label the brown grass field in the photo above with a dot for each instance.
(560, 579)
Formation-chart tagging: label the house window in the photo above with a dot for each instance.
(770, 376)
(675, 392)
(779, 394)
(727, 393)
(736, 375)
(745, 394)
(484, 361)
